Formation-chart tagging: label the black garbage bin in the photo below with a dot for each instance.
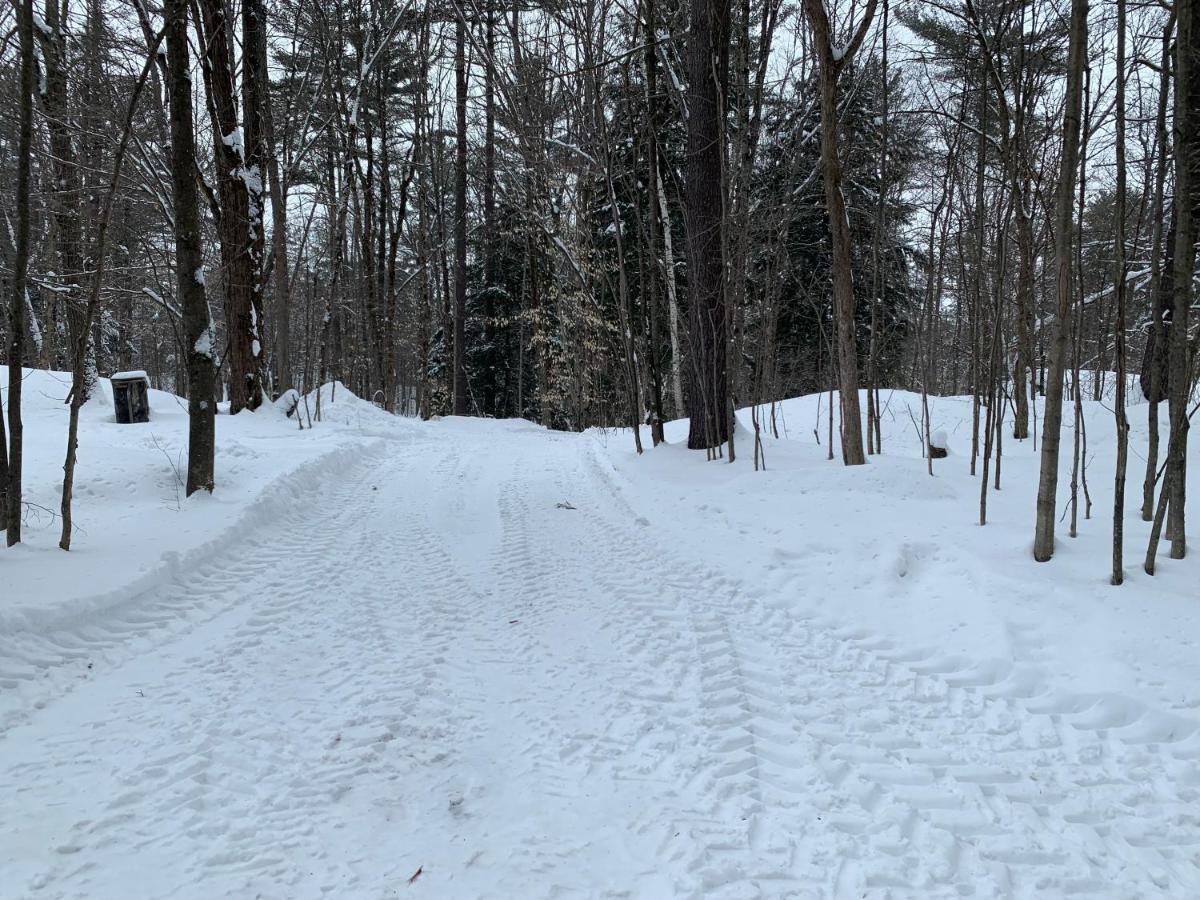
(131, 397)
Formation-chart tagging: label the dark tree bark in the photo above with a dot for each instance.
(255, 99)
(237, 178)
(189, 260)
(1153, 378)
(831, 63)
(708, 401)
(1187, 159)
(1119, 267)
(17, 324)
(281, 311)
(490, 260)
(1043, 543)
(460, 219)
(3, 472)
(66, 198)
(653, 224)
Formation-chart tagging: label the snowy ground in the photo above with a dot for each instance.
(471, 659)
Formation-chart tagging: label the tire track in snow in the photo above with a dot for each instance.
(933, 777)
(569, 727)
(568, 707)
(36, 666)
(257, 765)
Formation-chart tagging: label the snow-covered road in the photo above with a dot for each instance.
(435, 678)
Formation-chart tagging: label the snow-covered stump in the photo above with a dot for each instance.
(131, 397)
(938, 448)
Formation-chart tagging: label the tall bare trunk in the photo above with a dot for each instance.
(1151, 374)
(704, 208)
(831, 63)
(17, 326)
(239, 191)
(277, 186)
(198, 334)
(460, 220)
(1122, 423)
(66, 197)
(1187, 157)
(1043, 544)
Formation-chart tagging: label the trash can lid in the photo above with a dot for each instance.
(136, 375)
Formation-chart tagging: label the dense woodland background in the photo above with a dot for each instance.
(599, 212)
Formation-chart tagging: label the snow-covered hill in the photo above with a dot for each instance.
(134, 529)
(888, 549)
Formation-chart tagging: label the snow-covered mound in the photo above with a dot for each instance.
(901, 554)
(337, 404)
(133, 526)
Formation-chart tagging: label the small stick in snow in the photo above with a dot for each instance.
(416, 874)
(564, 505)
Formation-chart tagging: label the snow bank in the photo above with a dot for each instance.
(900, 556)
(135, 530)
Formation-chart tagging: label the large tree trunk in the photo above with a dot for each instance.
(189, 260)
(67, 195)
(708, 401)
(1043, 544)
(490, 259)
(1187, 158)
(650, 267)
(255, 100)
(460, 220)
(831, 62)
(239, 192)
(277, 186)
(17, 326)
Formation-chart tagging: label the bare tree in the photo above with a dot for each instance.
(832, 60)
(1043, 544)
(708, 399)
(17, 326)
(239, 198)
(460, 218)
(1119, 285)
(198, 336)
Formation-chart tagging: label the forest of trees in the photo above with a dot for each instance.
(597, 213)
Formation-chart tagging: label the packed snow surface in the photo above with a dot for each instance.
(468, 659)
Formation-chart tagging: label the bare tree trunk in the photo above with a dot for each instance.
(831, 64)
(977, 275)
(1178, 356)
(66, 197)
(255, 99)
(878, 281)
(490, 261)
(650, 268)
(460, 220)
(277, 186)
(704, 207)
(1152, 362)
(239, 189)
(672, 299)
(17, 326)
(189, 260)
(82, 358)
(1122, 423)
(1043, 544)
